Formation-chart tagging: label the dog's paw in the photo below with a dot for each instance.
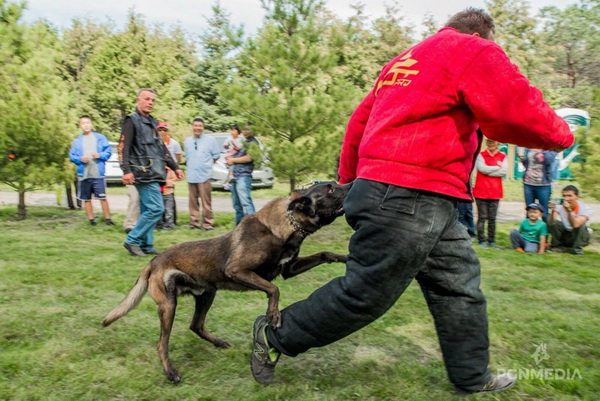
(274, 319)
(336, 258)
(173, 375)
(222, 343)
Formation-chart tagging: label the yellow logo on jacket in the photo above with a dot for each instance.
(399, 73)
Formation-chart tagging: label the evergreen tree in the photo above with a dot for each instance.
(574, 37)
(33, 106)
(216, 65)
(287, 88)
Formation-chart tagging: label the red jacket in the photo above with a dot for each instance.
(416, 128)
(490, 170)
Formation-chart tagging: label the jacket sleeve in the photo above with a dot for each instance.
(125, 145)
(507, 107)
(74, 155)
(502, 170)
(105, 151)
(484, 168)
(352, 138)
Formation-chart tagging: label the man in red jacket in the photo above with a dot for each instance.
(403, 201)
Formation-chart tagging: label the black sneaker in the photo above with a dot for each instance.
(263, 358)
(93, 222)
(109, 222)
(496, 384)
(134, 250)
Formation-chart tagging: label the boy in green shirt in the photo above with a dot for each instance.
(532, 233)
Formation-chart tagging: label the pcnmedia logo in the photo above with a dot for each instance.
(540, 355)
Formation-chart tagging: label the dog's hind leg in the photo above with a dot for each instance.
(166, 314)
(203, 304)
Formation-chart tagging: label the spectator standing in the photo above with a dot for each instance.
(143, 157)
(491, 165)
(403, 200)
(89, 151)
(233, 143)
(172, 145)
(168, 193)
(201, 153)
(568, 222)
(532, 233)
(538, 176)
(241, 184)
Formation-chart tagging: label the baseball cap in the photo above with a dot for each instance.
(535, 206)
(162, 124)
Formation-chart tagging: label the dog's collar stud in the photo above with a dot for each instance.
(303, 232)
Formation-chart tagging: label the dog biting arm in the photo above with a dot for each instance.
(306, 263)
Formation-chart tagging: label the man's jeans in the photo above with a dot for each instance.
(240, 196)
(401, 234)
(541, 193)
(151, 211)
(576, 238)
(465, 217)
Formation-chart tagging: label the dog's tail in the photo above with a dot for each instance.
(132, 299)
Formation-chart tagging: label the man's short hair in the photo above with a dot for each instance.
(198, 119)
(572, 188)
(145, 90)
(472, 20)
(85, 116)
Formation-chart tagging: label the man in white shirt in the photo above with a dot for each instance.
(568, 222)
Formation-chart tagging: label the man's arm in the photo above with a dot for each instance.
(484, 168)
(74, 156)
(105, 151)
(354, 132)
(551, 213)
(507, 107)
(502, 169)
(124, 149)
(575, 221)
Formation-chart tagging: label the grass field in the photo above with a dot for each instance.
(60, 277)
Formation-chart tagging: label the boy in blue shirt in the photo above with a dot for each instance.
(532, 233)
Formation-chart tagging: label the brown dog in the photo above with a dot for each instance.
(261, 247)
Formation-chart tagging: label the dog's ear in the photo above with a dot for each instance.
(303, 204)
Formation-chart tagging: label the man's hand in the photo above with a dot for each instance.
(551, 206)
(95, 155)
(129, 179)
(230, 162)
(85, 159)
(180, 175)
(568, 206)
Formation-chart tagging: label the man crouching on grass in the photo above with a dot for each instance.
(409, 148)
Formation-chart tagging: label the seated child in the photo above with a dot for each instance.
(532, 233)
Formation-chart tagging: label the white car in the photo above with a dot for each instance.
(113, 172)
(262, 176)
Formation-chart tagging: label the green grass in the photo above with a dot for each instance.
(60, 277)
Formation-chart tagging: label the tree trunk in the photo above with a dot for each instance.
(69, 193)
(21, 212)
(292, 184)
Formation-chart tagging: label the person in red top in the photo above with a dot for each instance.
(404, 196)
(492, 165)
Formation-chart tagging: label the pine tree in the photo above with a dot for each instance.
(33, 106)
(287, 88)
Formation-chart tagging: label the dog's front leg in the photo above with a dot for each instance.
(306, 263)
(254, 281)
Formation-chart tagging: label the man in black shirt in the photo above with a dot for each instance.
(143, 158)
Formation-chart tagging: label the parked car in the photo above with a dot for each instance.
(113, 172)
(262, 176)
